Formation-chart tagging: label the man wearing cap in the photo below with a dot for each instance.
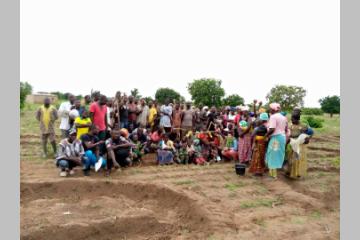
(70, 154)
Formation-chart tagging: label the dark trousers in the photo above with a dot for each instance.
(121, 156)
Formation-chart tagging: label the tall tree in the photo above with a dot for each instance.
(25, 89)
(163, 94)
(206, 91)
(233, 100)
(330, 104)
(135, 93)
(288, 96)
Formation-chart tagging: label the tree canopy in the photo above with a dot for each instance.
(25, 89)
(162, 94)
(233, 100)
(135, 93)
(287, 96)
(330, 104)
(206, 91)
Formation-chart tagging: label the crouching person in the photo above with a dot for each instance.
(92, 157)
(70, 154)
(118, 149)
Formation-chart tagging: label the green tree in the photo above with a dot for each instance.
(135, 93)
(166, 93)
(25, 89)
(206, 91)
(148, 99)
(330, 104)
(233, 100)
(288, 96)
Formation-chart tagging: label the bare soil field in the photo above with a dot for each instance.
(177, 201)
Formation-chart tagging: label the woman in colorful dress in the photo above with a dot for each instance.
(297, 155)
(258, 166)
(275, 153)
(245, 136)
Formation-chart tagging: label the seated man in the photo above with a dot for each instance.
(70, 154)
(91, 144)
(118, 149)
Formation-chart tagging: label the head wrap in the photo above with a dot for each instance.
(124, 132)
(243, 124)
(264, 116)
(275, 106)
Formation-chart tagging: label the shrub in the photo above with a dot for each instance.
(312, 111)
(314, 122)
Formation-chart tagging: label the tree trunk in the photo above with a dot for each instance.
(331, 115)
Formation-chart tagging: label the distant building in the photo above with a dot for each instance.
(40, 96)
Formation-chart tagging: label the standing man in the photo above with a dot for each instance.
(74, 112)
(177, 114)
(143, 111)
(132, 109)
(166, 116)
(124, 113)
(86, 106)
(63, 112)
(211, 117)
(152, 115)
(187, 120)
(98, 115)
(46, 115)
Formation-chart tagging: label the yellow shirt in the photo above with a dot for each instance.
(84, 130)
(46, 118)
(152, 113)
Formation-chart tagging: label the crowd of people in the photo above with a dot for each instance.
(106, 133)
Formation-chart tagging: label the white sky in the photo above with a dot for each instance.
(109, 45)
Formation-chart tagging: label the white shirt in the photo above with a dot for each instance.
(109, 111)
(63, 112)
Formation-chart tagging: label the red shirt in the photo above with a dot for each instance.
(237, 119)
(99, 115)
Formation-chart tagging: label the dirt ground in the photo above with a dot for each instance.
(179, 202)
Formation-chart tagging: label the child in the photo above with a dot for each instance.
(230, 149)
(257, 166)
(197, 152)
(136, 149)
(166, 151)
(183, 156)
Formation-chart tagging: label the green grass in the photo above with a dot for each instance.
(233, 186)
(260, 203)
(330, 125)
(316, 215)
(336, 162)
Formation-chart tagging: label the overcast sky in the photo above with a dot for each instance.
(73, 46)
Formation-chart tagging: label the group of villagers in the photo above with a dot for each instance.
(106, 133)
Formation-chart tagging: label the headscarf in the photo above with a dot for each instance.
(275, 106)
(264, 116)
(124, 132)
